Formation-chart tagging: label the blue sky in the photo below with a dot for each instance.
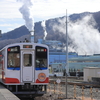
(11, 18)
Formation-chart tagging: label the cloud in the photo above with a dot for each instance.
(7, 24)
(48, 8)
(58, 7)
(27, 12)
(9, 9)
(85, 38)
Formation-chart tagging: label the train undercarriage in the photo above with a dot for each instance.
(27, 90)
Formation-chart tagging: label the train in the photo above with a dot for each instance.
(24, 68)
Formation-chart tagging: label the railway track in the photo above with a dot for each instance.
(71, 82)
(74, 81)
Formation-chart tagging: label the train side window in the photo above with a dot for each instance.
(13, 57)
(27, 60)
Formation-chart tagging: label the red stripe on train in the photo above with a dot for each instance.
(11, 80)
(46, 81)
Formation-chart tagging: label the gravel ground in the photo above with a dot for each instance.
(57, 92)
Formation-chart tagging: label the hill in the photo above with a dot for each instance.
(78, 25)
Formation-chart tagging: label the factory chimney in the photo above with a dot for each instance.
(27, 12)
(32, 36)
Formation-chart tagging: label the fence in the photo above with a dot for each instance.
(57, 91)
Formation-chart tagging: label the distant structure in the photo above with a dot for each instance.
(57, 56)
(0, 33)
(56, 51)
(80, 62)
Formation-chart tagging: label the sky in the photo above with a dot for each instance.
(11, 18)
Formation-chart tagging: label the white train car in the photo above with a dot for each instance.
(24, 68)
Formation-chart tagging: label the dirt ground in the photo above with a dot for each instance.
(57, 92)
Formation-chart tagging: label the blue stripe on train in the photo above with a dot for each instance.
(40, 68)
(13, 68)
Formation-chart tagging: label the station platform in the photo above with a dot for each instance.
(5, 94)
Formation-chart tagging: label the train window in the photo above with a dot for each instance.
(41, 57)
(13, 57)
(27, 60)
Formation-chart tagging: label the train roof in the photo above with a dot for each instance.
(85, 58)
(24, 43)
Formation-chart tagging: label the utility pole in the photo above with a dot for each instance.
(66, 83)
(0, 34)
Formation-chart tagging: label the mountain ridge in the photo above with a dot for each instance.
(19, 34)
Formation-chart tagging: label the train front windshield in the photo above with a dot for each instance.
(41, 57)
(13, 57)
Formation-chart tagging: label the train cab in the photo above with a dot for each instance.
(25, 67)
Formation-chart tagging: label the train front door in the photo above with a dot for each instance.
(27, 66)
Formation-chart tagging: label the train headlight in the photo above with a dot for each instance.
(41, 77)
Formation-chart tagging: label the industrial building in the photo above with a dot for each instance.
(80, 62)
(57, 56)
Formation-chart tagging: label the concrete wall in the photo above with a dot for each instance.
(90, 72)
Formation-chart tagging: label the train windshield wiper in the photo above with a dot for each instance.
(40, 66)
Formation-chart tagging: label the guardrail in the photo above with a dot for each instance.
(76, 90)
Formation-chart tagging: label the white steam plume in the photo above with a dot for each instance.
(86, 39)
(27, 12)
(43, 24)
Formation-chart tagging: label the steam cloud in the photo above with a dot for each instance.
(86, 39)
(27, 13)
(43, 24)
